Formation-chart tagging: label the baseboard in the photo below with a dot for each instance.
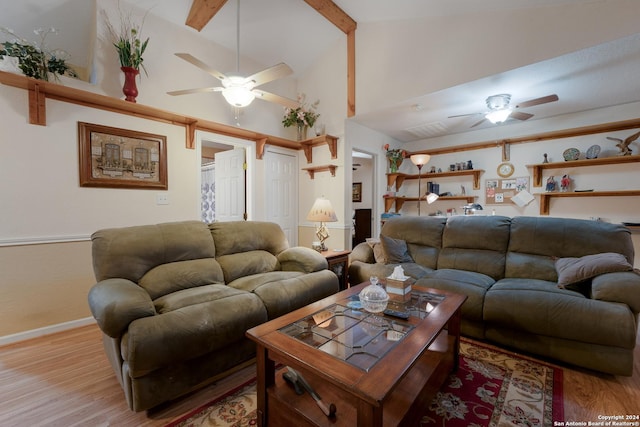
(47, 330)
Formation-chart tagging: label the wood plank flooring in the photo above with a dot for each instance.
(65, 380)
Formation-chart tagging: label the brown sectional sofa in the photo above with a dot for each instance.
(174, 300)
(509, 270)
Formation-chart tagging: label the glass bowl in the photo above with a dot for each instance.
(374, 298)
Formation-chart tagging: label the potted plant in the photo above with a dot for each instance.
(303, 117)
(36, 60)
(130, 47)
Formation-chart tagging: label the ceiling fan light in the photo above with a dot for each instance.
(498, 116)
(238, 96)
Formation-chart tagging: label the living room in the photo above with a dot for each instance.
(48, 218)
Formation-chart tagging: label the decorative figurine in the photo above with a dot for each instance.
(551, 184)
(565, 182)
(469, 165)
(546, 160)
(624, 145)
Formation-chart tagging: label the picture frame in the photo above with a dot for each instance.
(121, 158)
(356, 192)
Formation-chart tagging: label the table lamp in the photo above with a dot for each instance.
(420, 160)
(322, 212)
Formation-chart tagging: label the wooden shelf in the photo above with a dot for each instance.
(313, 170)
(399, 178)
(330, 141)
(538, 168)
(39, 90)
(546, 197)
(399, 201)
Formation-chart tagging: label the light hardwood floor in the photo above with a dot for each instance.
(65, 380)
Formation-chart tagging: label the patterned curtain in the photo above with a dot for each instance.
(208, 193)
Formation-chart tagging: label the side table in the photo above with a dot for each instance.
(339, 264)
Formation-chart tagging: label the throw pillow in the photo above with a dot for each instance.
(576, 270)
(395, 250)
(378, 252)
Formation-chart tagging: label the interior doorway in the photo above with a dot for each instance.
(210, 145)
(362, 200)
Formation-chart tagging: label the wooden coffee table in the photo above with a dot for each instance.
(377, 370)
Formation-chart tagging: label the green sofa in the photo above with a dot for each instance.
(174, 300)
(514, 271)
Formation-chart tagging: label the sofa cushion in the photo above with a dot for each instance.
(576, 270)
(247, 263)
(541, 308)
(285, 291)
(233, 237)
(167, 278)
(198, 295)
(189, 332)
(130, 252)
(378, 252)
(422, 234)
(395, 250)
(475, 243)
(473, 285)
(540, 238)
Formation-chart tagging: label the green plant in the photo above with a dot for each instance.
(35, 60)
(127, 41)
(301, 116)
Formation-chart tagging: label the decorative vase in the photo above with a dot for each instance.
(393, 165)
(130, 89)
(302, 132)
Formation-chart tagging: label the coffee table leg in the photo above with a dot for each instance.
(266, 377)
(453, 328)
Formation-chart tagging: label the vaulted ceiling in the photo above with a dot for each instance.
(296, 32)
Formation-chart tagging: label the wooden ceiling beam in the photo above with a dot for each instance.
(334, 14)
(202, 11)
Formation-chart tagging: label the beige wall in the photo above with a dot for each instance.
(44, 284)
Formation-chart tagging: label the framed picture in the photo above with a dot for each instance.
(356, 194)
(121, 158)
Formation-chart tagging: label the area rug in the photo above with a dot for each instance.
(490, 388)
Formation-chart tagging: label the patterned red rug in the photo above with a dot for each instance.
(490, 388)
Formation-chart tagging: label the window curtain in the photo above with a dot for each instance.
(208, 206)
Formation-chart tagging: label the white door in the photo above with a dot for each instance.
(281, 182)
(230, 185)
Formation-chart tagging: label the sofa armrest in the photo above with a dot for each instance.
(302, 259)
(622, 287)
(362, 252)
(117, 302)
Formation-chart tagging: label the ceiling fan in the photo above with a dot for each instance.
(237, 90)
(500, 108)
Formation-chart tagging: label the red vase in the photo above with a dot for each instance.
(130, 89)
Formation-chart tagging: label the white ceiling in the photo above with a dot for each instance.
(290, 31)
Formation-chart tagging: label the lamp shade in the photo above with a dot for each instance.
(322, 211)
(420, 159)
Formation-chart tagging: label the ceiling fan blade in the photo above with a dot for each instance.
(267, 96)
(465, 115)
(519, 115)
(195, 61)
(200, 90)
(272, 73)
(479, 123)
(538, 101)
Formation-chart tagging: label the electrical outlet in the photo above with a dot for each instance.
(162, 199)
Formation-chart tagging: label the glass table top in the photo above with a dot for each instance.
(349, 333)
